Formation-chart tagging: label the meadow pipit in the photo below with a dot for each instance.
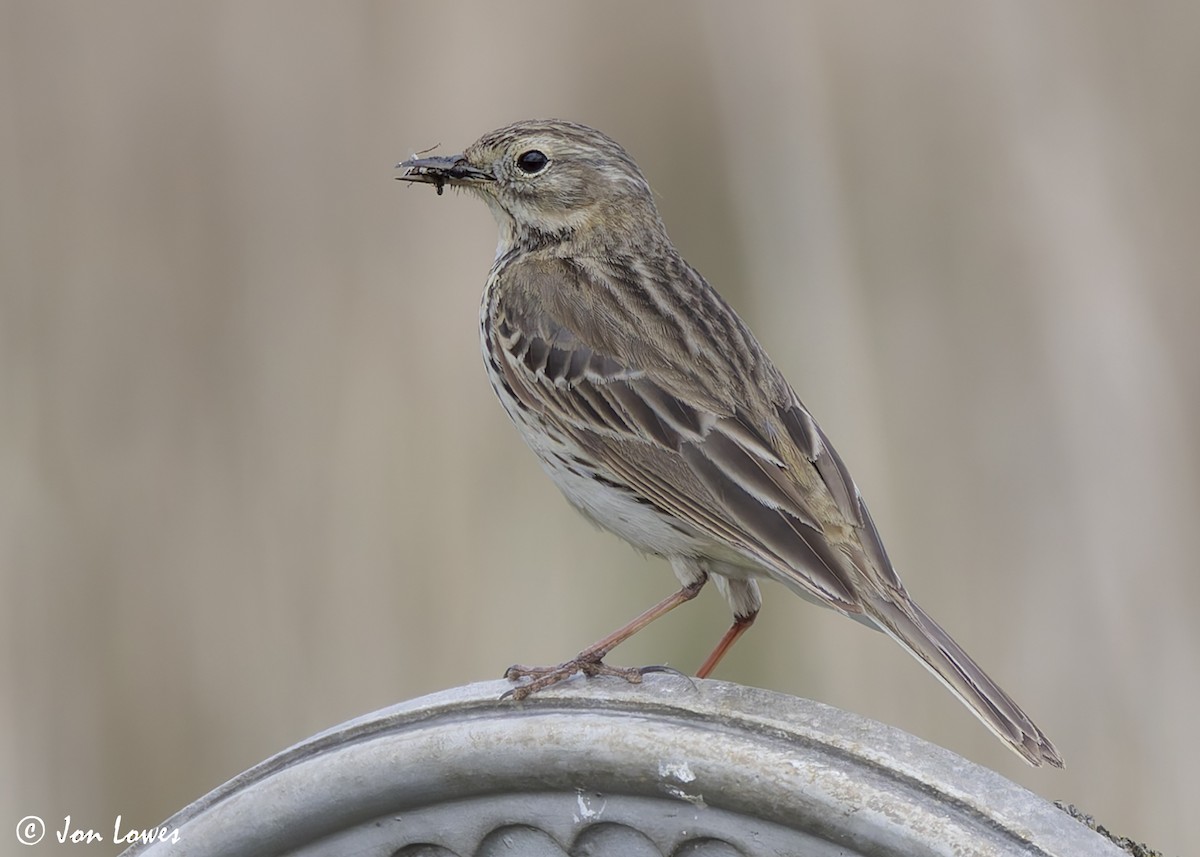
(655, 410)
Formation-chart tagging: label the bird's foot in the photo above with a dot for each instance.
(589, 665)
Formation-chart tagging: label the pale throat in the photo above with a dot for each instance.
(516, 230)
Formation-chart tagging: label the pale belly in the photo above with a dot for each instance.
(617, 510)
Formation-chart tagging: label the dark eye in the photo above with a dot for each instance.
(532, 161)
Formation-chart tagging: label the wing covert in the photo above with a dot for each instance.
(655, 429)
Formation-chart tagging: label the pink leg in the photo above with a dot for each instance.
(740, 625)
(589, 661)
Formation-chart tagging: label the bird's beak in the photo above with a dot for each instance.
(442, 171)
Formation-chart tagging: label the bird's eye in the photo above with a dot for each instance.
(532, 162)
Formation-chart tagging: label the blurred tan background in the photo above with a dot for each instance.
(253, 481)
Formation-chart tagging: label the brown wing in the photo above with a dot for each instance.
(769, 488)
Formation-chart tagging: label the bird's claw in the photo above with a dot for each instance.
(663, 668)
(590, 666)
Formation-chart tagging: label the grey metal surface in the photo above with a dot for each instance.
(602, 768)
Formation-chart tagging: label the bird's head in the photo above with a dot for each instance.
(550, 182)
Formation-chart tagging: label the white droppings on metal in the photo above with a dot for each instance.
(677, 771)
(586, 812)
(694, 800)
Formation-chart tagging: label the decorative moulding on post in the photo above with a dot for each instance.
(607, 769)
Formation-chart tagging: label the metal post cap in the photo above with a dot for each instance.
(601, 767)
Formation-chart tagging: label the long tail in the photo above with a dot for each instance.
(925, 640)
